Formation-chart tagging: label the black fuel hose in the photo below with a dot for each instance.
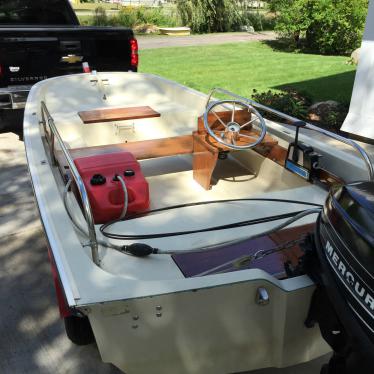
(255, 221)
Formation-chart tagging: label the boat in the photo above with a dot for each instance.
(175, 220)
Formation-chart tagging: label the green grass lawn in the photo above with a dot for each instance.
(242, 67)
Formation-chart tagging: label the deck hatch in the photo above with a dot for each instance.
(194, 264)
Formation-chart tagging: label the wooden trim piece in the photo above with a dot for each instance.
(117, 114)
(328, 178)
(274, 152)
(204, 161)
(268, 141)
(141, 150)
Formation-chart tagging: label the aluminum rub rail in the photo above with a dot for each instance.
(308, 126)
(77, 178)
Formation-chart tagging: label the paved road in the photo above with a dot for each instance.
(32, 338)
(151, 41)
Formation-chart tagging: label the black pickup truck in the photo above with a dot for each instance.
(40, 39)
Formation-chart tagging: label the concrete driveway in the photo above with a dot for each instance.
(32, 338)
(164, 41)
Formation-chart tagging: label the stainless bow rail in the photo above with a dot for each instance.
(48, 119)
(308, 126)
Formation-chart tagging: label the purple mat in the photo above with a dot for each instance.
(192, 264)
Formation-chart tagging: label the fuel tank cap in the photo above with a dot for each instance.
(129, 173)
(97, 180)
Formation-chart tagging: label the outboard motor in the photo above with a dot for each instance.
(340, 259)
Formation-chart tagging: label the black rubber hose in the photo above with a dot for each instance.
(214, 228)
(216, 202)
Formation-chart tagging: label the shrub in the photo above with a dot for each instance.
(289, 101)
(259, 21)
(330, 114)
(328, 26)
(277, 5)
(335, 118)
(298, 105)
(337, 27)
(85, 20)
(154, 16)
(100, 17)
(132, 16)
(205, 16)
(127, 17)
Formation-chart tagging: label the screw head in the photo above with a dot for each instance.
(262, 296)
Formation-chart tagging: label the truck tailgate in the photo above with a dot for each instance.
(28, 55)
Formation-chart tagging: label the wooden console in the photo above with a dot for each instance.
(206, 150)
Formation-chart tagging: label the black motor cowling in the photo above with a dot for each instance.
(343, 303)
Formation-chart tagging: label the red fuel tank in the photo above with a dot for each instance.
(105, 193)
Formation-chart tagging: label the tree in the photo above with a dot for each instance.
(209, 15)
(277, 5)
(328, 26)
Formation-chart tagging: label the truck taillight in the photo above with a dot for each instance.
(134, 53)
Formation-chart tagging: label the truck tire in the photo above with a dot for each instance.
(78, 330)
(11, 120)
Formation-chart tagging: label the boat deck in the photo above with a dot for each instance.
(165, 190)
(234, 257)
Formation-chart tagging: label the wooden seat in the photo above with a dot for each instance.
(141, 149)
(117, 114)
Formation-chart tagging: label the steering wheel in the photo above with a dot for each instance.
(233, 134)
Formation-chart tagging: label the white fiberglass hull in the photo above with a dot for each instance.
(147, 317)
(210, 330)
